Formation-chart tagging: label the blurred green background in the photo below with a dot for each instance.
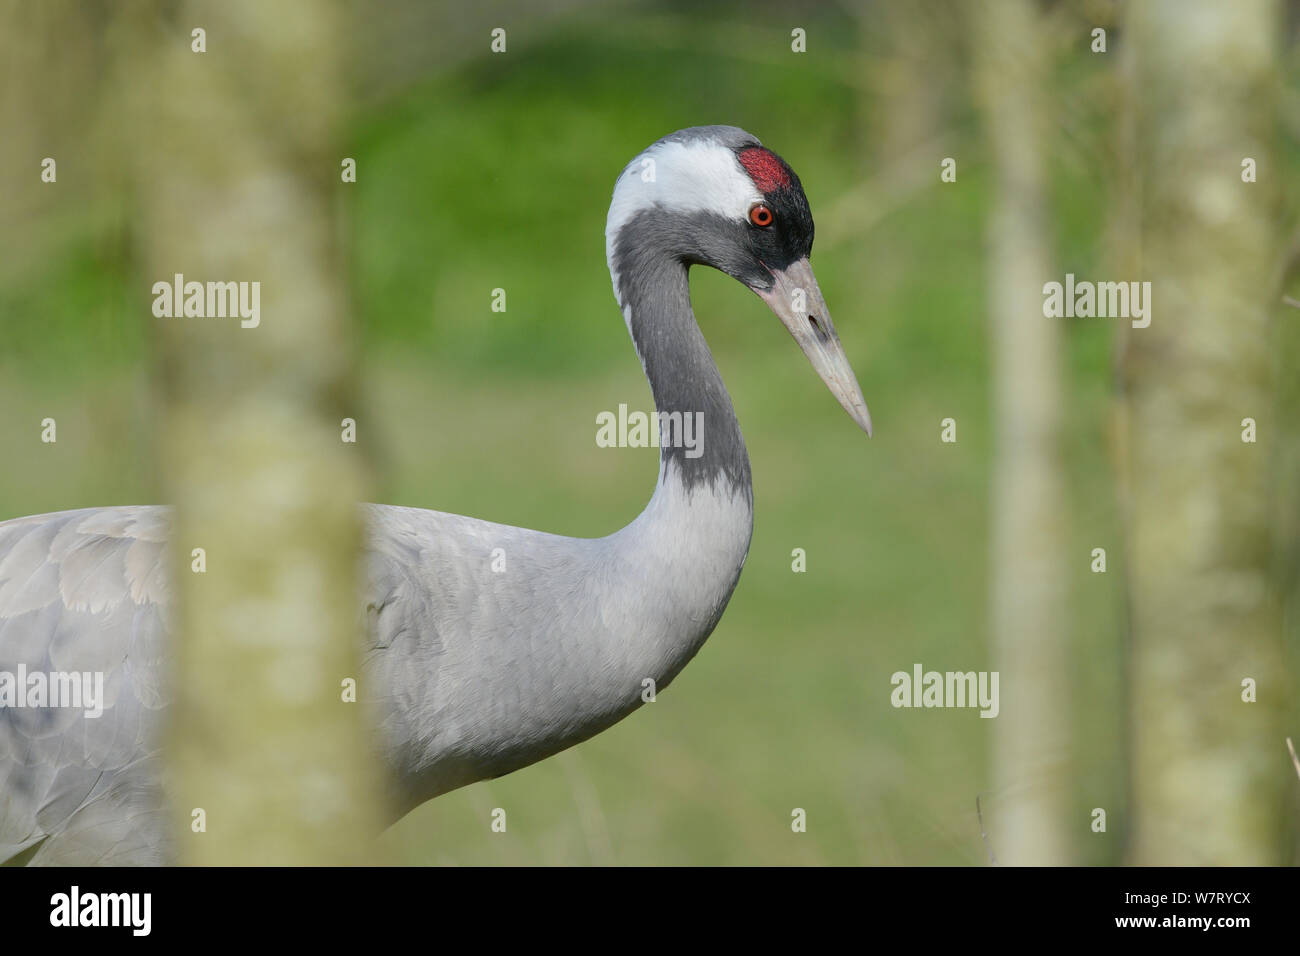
(477, 172)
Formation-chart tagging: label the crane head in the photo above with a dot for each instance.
(728, 202)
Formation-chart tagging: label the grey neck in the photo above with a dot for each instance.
(654, 291)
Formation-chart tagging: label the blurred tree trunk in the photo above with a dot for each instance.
(914, 67)
(1028, 603)
(237, 170)
(1208, 768)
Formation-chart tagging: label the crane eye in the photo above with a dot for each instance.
(760, 215)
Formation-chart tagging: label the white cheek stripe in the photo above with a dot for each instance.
(699, 176)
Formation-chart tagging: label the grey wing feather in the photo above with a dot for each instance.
(450, 643)
(85, 591)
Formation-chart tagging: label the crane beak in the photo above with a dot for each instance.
(797, 301)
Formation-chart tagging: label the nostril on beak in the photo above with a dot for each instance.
(821, 333)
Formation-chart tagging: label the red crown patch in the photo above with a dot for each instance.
(767, 172)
